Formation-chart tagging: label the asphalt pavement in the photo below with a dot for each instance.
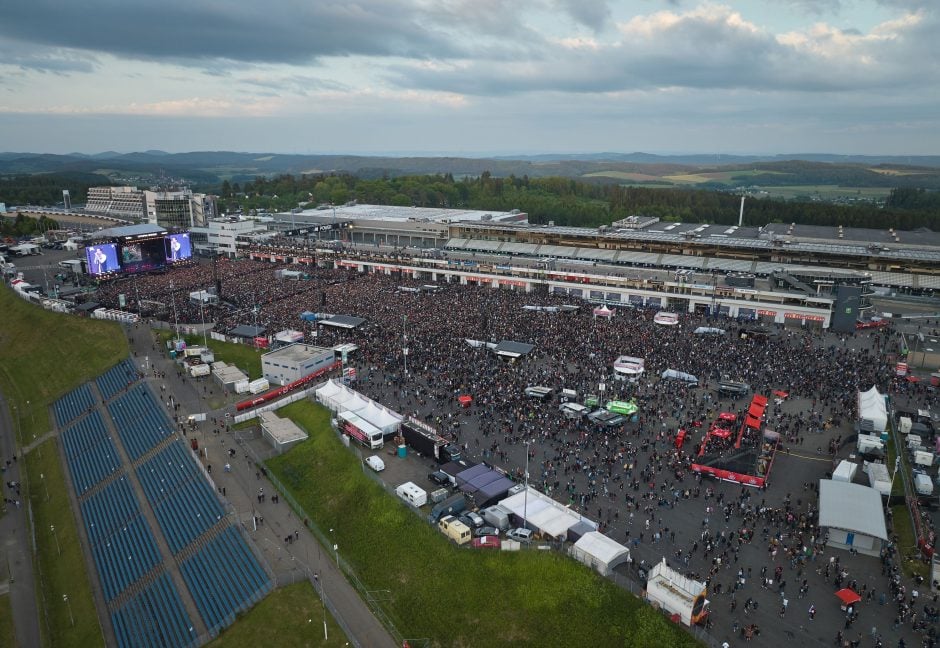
(16, 564)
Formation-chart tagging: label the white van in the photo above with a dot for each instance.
(413, 494)
(870, 443)
(922, 483)
(375, 463)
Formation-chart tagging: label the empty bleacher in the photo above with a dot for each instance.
(121, 542)
(224, 578)
(72, 405)
(183, 502)
(89, 452)
(154, 618)
(140, 421)
(117, 378)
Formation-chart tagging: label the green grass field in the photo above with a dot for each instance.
(7, 635)
(454, 596)
(43, 355)
(240, 355)
(289, 617)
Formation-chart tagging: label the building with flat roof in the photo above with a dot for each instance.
(281, 433)
(293, 362)
(227, 236)
(178, 210)
(425, 227)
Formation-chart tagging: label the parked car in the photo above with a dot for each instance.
(520, 534)
(485, 531)
(375, 463)
(476, 520)
(440, 478)
(486, 542)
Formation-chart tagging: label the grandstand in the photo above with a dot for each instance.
(137, 572)
(154, 618)
(183, 502)
(119, 377)
(224, 578)
(140, 421)
(72, 405)
(89, 452)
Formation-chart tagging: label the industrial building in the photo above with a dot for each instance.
(293, 362)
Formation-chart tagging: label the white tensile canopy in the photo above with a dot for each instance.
(871, 407)
(599, 552)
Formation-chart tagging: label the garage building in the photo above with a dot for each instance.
(293, 362)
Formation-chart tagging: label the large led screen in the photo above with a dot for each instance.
(178, 247)
(102, 258)
(143, 255)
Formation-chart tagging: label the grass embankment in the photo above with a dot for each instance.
(907, 543)
(43, 355)
(240, 355)
(7, 634)
(454, 596)
(289, 617)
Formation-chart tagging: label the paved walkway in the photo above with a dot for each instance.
(16, 565)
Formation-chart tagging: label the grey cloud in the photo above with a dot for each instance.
(590, 13)
(55, 60)
(287, 31)
(298, 84)
(700, 50)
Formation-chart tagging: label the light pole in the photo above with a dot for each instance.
(316, 579)
(56, 536)
(65, 597)
(202, 316)
(176, 321)
(42, 477)
(525, 497)
(404, 341)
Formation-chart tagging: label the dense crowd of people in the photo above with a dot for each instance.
(626, 477)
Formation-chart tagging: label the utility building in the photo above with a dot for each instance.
(293, 362)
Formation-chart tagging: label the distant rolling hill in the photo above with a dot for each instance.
(209, 168)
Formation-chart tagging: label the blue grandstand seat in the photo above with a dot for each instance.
(72, 405)
(154, 618)
(224, 578)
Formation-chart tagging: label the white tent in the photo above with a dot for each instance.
(871, 407)
(599, 552)
(542, 513)
(382, 418)
(853, 515)
(337, 398)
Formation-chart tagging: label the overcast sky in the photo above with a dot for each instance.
(471, 77)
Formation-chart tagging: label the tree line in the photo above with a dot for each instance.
(566, 201)
(45, 189)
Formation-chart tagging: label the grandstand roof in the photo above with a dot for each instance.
(426, 214)
(128, 230)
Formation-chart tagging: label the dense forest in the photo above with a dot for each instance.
(571, 202)
(45, 189)
(564, 201)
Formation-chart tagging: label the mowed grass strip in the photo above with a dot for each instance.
(456, 596)
(288, 617)
(43, 355)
